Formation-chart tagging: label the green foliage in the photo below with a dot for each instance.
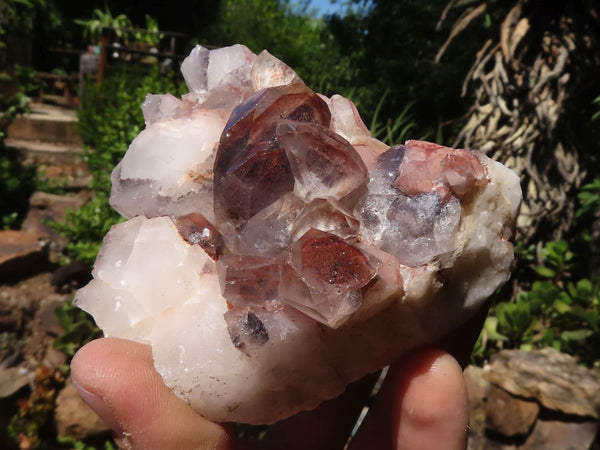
(514, 319)
(481, 350)
(73, 444)
(558, 310)
(250, 432)
(78, 326)
(110, 118)
(289, 32)
(558, 260)
(23, 80)
(151, 35)
(596, 115)
(32, 427)
(589, 198)
(15, 14)
(560, 306)
(101, 19)
(121, 27)
(28, 17)
(86, 227)
(391, 45)
(16, 181)
(33, 421)
(392, 132)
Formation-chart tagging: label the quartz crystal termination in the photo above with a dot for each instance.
(275, 252)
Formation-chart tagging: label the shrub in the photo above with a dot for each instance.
(110, 118)
(561, 305)
(17, 183)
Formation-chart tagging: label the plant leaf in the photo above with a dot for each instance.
(576, 335)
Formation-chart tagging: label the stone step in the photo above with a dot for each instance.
(44, 152)
(21, 251)
(61, 162)
(49, 123)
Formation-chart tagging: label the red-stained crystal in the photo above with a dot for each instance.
(326, 215)
(252, 169)
(195, 229)
(324, 277)
(249, 280)
(324, 164)
(428, 167)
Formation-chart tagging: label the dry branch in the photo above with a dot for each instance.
(519, 89)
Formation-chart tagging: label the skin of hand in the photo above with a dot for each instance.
(422, 403)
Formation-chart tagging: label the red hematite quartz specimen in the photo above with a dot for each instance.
(275, 252)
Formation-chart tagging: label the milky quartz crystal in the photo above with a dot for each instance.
(275, 252)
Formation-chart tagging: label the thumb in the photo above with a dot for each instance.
(117, 379)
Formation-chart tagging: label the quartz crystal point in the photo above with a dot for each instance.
(276, 252)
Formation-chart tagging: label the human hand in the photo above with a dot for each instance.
(422, 405)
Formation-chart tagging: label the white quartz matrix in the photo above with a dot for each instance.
(275, 252)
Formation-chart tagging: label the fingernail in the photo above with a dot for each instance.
(442, 363)
(100, 407)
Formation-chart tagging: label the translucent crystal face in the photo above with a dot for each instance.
(255, 162)
(280, 179)
(324, 277)
(276, 252)
(196, 230)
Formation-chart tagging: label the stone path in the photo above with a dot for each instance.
(49, 140)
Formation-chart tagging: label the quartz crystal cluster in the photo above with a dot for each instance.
(275, 252)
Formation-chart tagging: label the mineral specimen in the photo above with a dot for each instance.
(276, 252)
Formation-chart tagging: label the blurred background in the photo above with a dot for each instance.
(516, 79)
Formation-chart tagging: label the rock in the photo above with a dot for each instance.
(21, 251)
(12, 379)
(71, 276)
(26, 295)
(509, 415)
(10, 347)
(477, 388)
(74, 417)
(44, 207)
(554, 379)
(29, 307)
(43, 329)
(46, 320)
(11, 316)
(55, 359)
(489, 444)
(561, 435)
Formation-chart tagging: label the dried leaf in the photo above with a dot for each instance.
(506, 29)
(556, 71)
(475, 65)
(444, 14)
(518, 34)
(462, 23)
